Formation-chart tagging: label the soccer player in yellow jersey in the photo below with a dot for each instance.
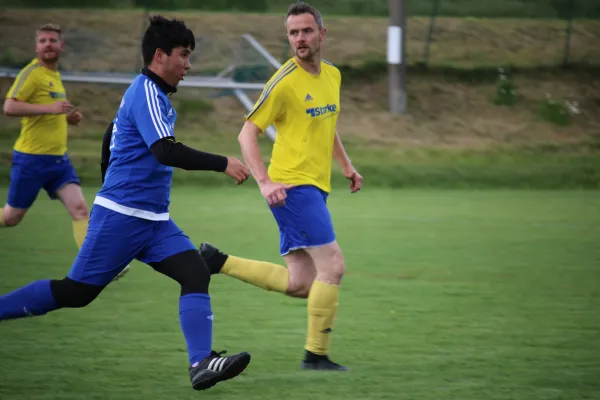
(302, 100)
(40, 153)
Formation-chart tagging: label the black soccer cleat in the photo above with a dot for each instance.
(214, 369)
(213, 258)
(317, 362)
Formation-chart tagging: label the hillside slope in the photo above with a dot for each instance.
(104, 40)
(449, 120)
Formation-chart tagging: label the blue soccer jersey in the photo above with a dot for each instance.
(136, 184)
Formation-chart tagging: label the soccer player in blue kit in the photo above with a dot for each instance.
(130, 216)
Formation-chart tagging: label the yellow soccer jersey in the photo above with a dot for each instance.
(304, 109)
(41, 134)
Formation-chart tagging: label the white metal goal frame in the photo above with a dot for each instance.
(223, 80)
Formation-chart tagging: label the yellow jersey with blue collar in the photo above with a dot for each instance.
(40, 134)
(304, 109)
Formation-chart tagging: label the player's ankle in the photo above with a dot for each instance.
(309, 356)
(216, 262)
(213, 257)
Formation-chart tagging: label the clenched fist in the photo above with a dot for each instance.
(237, 170)
(275, 193)
(74, 118)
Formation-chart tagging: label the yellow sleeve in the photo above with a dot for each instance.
(271, 104)
(338, 77)
(24, 85)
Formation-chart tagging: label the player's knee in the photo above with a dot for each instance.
(12, 216)
(299, 289)
(188, 269)
(197, 280)
(68, 293)
(11, 220)
(336, 267)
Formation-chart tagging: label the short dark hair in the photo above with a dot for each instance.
(301, 7)
(165, 34)
(49, 28)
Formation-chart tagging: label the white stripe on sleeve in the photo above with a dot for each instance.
(152, 101)
(165, 126)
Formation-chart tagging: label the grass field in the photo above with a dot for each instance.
(449, 295)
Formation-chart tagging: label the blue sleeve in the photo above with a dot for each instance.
(150, 114)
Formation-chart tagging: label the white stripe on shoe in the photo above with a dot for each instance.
(221, 364)
(217, 364)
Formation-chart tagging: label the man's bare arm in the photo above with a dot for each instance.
(339, 153)
(343, 160)
(16, 108)
(273, 192)
(248, 139)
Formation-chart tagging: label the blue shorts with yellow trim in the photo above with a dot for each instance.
(32, 172)
(304, 221)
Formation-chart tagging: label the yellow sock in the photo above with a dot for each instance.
(322, 307)
(80, 230)
(2, 224)
(263, 274)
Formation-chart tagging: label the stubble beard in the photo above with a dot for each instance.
(311, 54)
(50, 60)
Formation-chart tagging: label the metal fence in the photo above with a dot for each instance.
(487, 33)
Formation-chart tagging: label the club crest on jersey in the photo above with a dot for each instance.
(318, 111)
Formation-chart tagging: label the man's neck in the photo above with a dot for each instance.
(152, 72)
(51, 66)
(160, 75)
(313, 67)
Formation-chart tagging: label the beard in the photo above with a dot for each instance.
(310, 54)
(50, 59)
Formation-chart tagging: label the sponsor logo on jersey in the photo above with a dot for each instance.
(317, 111)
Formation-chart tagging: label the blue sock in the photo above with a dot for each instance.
(196, 318)
(33, 299)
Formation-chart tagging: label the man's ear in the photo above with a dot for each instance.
(159, 55)
(323, 33)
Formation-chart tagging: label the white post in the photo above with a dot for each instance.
(396, 57)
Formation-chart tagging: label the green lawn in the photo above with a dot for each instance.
(466, 295)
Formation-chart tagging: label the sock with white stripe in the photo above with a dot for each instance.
(196, 318)
(31, 300)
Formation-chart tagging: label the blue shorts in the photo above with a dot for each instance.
(31, 172)
(304, 221)
(113, 240)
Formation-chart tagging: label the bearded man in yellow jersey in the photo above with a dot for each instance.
(40, 153)
(302, 100)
